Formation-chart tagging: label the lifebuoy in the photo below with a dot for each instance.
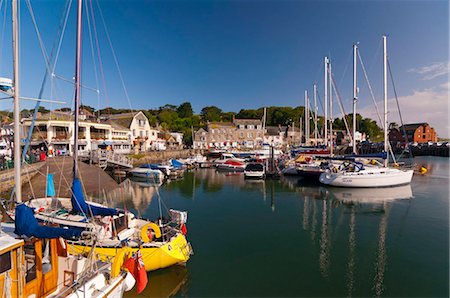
(118, 261)
(144, 231)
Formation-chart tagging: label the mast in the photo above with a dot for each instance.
(325, 96)
(306, 118)
(331, 109)
(17, 159)
(77, 87)
(385, 99)
(315, 112)
(355, 91)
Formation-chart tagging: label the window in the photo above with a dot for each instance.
(46, 256)
(141, 133)
(30, 262)
(146, 133)
(5, 262)
(241, 134)
(134, 132)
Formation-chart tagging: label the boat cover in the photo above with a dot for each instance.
(50, 186)
(26, 224)
(176, 163)
(79, 204)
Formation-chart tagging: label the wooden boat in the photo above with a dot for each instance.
(40, 267)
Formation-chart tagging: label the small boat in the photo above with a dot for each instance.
(231, 165)
(227, 156)
(146, 171)
(254, 170)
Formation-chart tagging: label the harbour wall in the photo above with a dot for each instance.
(28, 171)
(160, 156)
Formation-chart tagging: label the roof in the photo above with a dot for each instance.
(125, 119)
(273, 130)
(115, 126)
(413, 126)
(247, 121)
(220, 124)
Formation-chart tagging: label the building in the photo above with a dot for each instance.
(56, 132)
(274, 136)
(249, 133)
(141, 134)
(240, 133)
(420, 132)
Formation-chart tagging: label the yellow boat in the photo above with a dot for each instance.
(156, 255)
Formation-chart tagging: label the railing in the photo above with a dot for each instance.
(39, 136)
(102, 155)
(98, 136)
(61, 136)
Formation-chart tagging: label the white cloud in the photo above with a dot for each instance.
(428, 105)
(433, 71)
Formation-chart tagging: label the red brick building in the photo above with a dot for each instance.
(420, 132)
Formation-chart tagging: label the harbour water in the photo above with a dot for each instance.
(294, 238)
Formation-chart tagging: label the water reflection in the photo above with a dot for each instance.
(355, 203)
(164, 283)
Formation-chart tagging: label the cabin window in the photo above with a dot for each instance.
(5, 262)
(46, 256)
(30, 262)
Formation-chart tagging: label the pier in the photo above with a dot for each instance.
(93, 178)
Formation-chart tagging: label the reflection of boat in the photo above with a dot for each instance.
(375, 195)
(254, 170)
(164, 283)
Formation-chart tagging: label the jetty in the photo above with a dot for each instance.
(93, 178)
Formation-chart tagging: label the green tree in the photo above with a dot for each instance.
(185, 110)
(211, 113)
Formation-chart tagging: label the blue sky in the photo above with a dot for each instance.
(245, 54)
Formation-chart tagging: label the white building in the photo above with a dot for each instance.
(141, 134)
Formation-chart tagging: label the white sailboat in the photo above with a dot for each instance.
(358, 175)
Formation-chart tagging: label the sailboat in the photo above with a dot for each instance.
(359, 175)
(34, 260)
(161, 244)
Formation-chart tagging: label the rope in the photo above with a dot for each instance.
(113, 53)
(99, 56)
(3, 31)
(93, 58)
(398, 108)
(340, 105)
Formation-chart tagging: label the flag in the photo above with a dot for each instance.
(136, 267)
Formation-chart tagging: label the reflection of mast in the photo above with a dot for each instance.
(323, 256)
(305, 213)
(314, 220)
(193, 187)
(351, 258)
(382, 257)
(272, 197)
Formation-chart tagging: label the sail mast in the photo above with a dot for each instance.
(77, 87)
(315, 113)
(385, 100)
(331, 108)
(17, 159)
(306, 118)
(325, 96)
(355, 91)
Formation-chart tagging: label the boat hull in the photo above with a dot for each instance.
(254, 175)
(381, 178)
(176, 251)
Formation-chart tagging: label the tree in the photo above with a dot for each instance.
(43, 110)
(88, 108)
(185, 110)
(211, 113)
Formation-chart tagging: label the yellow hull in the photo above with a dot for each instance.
(173, 252)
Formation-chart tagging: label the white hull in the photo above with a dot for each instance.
(373, 177)
(154, 175)
(248, 174)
